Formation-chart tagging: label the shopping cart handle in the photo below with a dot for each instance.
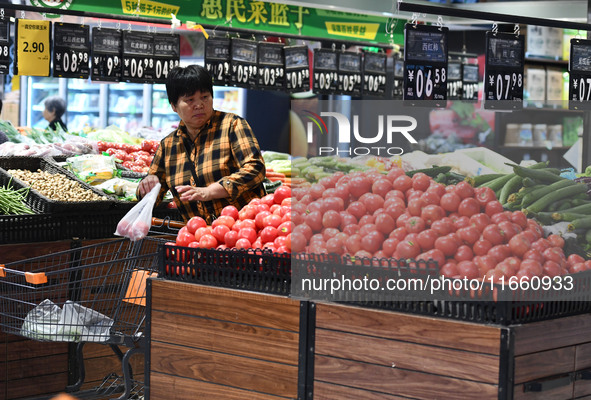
(171, 224)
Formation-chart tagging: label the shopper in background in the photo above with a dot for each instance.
(55, 107)
(212, 160)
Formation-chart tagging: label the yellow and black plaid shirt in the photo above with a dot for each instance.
(225, 151)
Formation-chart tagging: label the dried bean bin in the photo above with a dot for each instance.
(40, 203)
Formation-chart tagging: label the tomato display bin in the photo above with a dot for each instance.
(40, 203)
(29, 228)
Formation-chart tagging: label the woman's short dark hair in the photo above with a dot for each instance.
(57, 104)
(186, 81)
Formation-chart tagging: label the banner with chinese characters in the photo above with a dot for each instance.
(247, 14)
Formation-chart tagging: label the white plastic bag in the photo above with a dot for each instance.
(135, 225)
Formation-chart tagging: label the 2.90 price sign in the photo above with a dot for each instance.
(71, 50)
(138, 57)
(107, 46)
(425, 64)
(579, 86)
(243, 63)
(503, 71)
(217, 60)
(297, 69)
(271, 66)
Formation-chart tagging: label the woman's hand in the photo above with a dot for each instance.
(191, 193)
(147, 184)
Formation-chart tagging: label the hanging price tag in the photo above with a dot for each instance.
(167, 52)
(503, 71)
(325, 74)
(454, 80)
(425, 64)
(271, 66)
(374, 74)
(4, 45)
(138, 57)
(470, 82)
(579, 84)
(217, 60)
(398, 81)
(243, 63)
(33, 48)
(349, 74)
(71, 50)
(107, 46)
(297, 69)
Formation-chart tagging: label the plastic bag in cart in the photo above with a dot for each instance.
(135, 225)
(73, 323)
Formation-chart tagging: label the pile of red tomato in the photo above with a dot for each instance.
(134, 157)
(262, 224)
(464, 229)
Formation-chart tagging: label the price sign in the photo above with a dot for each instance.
(325, 77)
(4, 45)
(243, 63)
(503, 71)
(398, 82)
(579, 85)
(71, 50)
(107, 46)
(167, 54)
(217, 60)
(138, 57)
(271, 66)
(349, 74)
(33, 48)
(470, 82)
(374, 74)
(297, 69)
(454, 80)
(425, 64)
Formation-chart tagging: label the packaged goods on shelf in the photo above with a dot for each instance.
(554, 84)
(535, 84)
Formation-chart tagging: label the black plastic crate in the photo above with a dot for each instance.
(41, 203)
(91, 225)
(252, 270)
(30, 228)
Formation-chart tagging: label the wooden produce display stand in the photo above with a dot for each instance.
(223, 343)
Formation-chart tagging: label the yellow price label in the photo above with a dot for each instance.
(33, 50)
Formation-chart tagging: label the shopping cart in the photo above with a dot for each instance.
(94, 294)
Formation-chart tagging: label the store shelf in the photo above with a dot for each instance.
(85, 88)
(125, 112)
(546, 61)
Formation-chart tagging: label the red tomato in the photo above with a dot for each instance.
(430, 198)
(432, 213)
(353, 243)
(426, 239)
(357, 209)
(415, 225)
(372, 242)
(305, 230)
(485, 263)
(230, 239)
(219, 233)
(449, 270)
(402, 183)
(335, 246)
(408, 249)
(359, 185)
(395, 173)
(258, 220)
(461, 222)
(493, 207)
(184, 238)
(574, 259)
(334, 203)
(556, 241)
(208, 241)
(500, 252)
(507, 269)
(535, 228)
(372, 202)
(450, 202)
(519, 218)
(401, 220)
(467, 269)
(469, 206)
(202, 231)
(534, 266)
(399, 233)
(393, 194)
(382, 187)
(415, 206)
(437, 188)
(464, 253)
(328, 233)
(281, 193)
(268, 234)
(554, 254)
(551, 268)
(442, 226)
(385, 223)
(520, 244)
(247, 212)
(480, 221)
(493, 234)
(280, 241)
(247, 233)
(533, 254)
(194, 223)
(389, 246)
(469, 235)
(539, 244)
(314, 220)
(420, 181)
(509, 229)
(464, 190)
(331, 219)
(481, 247)
(243, 243)
(484, 195)
(223, 220)
(247, 223)
(297, 241)
(447, 245)
(285, 228)
(367, 219)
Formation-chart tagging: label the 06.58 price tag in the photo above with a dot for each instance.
(33, 48)
(71, 50)
(579, 86)
(503, 71)
(425, 65)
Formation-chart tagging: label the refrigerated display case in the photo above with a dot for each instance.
(84, 100)
(129, 105)
(38, 89)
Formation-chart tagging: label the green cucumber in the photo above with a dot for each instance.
(498, 183)
(588, 236)
(566, 216)
(580, 223)
(528, 182)
(432, 172)
(510, 187)
(565, 192)
(582, 209)
(542, 175)
(564, 206)
(481, 179)
(544, 190)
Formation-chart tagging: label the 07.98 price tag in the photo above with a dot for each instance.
(325, 71)
(107, 46)
(297, 69)
(374, 74)
(425, 65)
(71, 50)
(243, 63)
(271, 66)
(138, 57)
(167, 54)
(4, 45)
(33, 48)
(217, 60)
(579, 85)
(503, 71)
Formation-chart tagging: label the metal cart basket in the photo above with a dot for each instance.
(93, 293)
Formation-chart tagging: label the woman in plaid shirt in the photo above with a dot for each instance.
(212, 160)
